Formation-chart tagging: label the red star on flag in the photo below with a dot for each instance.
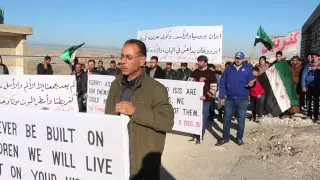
(272, 70)
(282, 96)
(277, 84)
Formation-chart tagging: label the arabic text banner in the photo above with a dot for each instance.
(289, 45)
(184, 43)
(55, 92)
(183, 95)
(62, 145)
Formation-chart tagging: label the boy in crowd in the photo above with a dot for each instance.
(256, 93)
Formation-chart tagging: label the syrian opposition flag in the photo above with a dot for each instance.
(69, 54)
(279, 87)
(263, 38)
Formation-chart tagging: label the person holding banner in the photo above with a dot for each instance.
(204, 74)
(233, 93)
(154, 70)
(146, 102)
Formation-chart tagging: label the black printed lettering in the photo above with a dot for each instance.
(8, 128)
(30, 131)
(191, 92)
(34, 154)
(15, 172)
(190, 112)
(177, 90)
(92, 90)
(180, 101)
(95, 138)
(1, 168)
(100, 165)
(39, 175)
(60, 134)
(72, 178)
(10, 150)
(63, 159)
(176, 110)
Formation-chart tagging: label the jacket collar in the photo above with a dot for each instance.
(119, 78)
(244, 64)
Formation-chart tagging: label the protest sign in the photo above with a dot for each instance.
(57, 93)
(184, 43)
(46, 145)
(98, 90)
(183, 95)
(289, 45)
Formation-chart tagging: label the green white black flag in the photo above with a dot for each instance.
(263, 38)
(69, 54)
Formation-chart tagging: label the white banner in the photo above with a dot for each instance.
(289, 45)
(56, 92)
(46, 145)
(98, 90)
(183, 95)
(184, 43)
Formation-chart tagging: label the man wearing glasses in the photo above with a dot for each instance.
(146, 102)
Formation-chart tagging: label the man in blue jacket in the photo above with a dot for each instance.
(310, 84)
(234, 91)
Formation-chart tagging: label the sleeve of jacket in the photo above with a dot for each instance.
(84, 87)
(163, 74)
(250, 76)
(160, 117)
(223, 84)
(110, 104)
(304, 76)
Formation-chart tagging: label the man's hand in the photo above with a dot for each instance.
(45, 65)
(202, 98)
(202, 79)
(125, 107)
(209, 94)
(251, 83)
(259, 96)
(222, 102)
(85, 95)
(304, 89)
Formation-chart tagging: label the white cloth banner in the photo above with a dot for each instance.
(56, 92)
(183, 95)
(184, 43)
(46, 145)
(289, 45)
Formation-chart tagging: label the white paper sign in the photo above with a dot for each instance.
(46, 145)
(183, 95)
(184, 43)
(56, 92)
(98, 91)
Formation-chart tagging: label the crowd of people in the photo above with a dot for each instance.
(234, 86)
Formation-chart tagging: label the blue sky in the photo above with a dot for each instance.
(111, 22)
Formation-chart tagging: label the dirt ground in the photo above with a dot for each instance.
(272, 151)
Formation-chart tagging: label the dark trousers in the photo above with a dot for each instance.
(313, 97)
(302, 98)
(150, 170)
(239, 106)
(257, 106)
(81, 104)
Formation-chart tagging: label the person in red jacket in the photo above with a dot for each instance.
(255, 97)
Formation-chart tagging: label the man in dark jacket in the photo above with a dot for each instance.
(151, 114)
(184, 72)
(113, 70)
(233, 93)
(3, 67)
(92, 67)
(101, 70)
(82, 85)
(170, 73)
(154, 70)
(45, 67)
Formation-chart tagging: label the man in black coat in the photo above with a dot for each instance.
(3, 68)
(82, 85)
(154, 70)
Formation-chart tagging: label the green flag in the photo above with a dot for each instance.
(1, 16)
(263, 38)
(69, 54)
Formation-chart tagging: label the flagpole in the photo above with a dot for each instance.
(251, 54)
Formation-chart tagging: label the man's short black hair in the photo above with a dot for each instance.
(296, 57)
(315, 54)
(202, 58)
(279, 53)
(91, 60)
(256, 69)
(140, 44)
(155, 58)
(169, 63)
(100, 61)
(228, 64)
(263, 57)
(112, 62)
(211, 66)
(47, 58)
